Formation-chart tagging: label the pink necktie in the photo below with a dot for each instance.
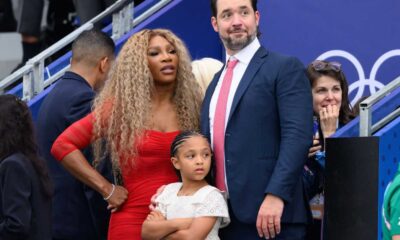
(219, 126)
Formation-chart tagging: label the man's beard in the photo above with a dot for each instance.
(237, 44)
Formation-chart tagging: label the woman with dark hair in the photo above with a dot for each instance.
(330, 95)
(25, 188)
(332, 110)
(331, 104)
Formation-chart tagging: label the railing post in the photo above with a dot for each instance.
(365, 120)
(38, 77)
(27, 86)
(366, 127)
(14, 77)
(129, 11)
(33, 81)
(122, 21)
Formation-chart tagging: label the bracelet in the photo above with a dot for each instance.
(111, 193)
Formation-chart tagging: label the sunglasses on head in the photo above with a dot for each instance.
(319, 65)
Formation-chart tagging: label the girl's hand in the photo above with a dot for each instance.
(315, 148)
(153, 203)
(155, 216)
(328, 117)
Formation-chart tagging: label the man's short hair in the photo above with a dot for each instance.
(214, 10)
(91, 46)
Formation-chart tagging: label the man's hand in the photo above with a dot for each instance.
(153, 203)
(269, 217)
(117, 198)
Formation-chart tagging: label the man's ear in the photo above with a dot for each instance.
(175, 162)
(214, 23)
(257, 15)
(104, 64)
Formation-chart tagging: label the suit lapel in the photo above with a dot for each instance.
(248, 76)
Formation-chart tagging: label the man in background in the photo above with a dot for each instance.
(79, 213)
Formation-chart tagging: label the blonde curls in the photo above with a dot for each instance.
(122, 109)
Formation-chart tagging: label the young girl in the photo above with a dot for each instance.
(191, 208)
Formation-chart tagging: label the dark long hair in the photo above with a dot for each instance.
(16, 131)
(345, 113)
(177, 143)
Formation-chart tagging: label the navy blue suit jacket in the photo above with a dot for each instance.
(78, 211)
(25, 212)
(268, 134)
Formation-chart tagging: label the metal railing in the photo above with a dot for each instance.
(33, 71)
(366, 127)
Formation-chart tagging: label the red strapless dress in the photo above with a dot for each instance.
(152, 169)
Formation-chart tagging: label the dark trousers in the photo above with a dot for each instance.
(88, 9)
(7, 20)
(237, 230)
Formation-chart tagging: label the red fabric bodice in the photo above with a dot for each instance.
(152, 168)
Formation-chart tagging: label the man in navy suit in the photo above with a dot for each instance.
(267, 129)
(79, 213)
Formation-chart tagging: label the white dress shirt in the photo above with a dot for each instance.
(244, 57)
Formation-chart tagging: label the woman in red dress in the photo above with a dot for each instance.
(150, 97)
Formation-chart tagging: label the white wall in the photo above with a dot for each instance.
(10, 53)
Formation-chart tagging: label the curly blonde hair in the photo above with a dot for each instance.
(122, 109)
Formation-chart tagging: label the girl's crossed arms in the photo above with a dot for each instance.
(191, 209)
